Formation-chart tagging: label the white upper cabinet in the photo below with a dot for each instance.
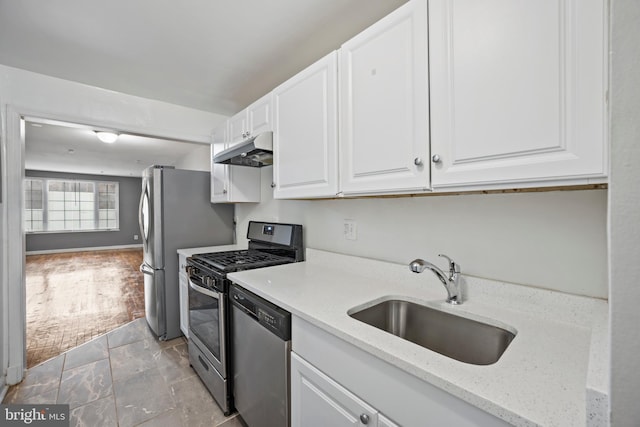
(231, 184)
(254, 119)
(305, 159)
(384, 113)
(219, 172)
(518, 93)
(237, 127)
(238, 184)
(259, 116)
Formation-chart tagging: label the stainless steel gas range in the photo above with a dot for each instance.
(209, 311)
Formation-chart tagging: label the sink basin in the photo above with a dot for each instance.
(457, 337)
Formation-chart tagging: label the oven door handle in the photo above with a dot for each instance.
(204, 291)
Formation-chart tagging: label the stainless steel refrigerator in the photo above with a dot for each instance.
(175, 212)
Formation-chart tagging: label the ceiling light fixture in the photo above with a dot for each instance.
(107, 137)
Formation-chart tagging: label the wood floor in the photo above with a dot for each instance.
(76, 296)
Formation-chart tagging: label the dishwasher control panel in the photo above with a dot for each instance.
(269, 315)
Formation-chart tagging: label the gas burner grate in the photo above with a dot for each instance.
(241, 260)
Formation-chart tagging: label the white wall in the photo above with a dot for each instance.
(91, 105)
(624, 213)
(26, 93)
(555, 240)
(197, 160)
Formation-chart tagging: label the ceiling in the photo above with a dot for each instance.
(64, 147)
(216, 56)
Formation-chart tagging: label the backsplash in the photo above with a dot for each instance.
(553, 240)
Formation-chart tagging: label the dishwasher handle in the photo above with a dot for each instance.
(240, 302)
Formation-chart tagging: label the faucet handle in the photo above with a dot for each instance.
(454, 267)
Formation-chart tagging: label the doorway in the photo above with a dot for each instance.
(82, 246)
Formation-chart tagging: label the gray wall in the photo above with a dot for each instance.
(129, 199)
(553, 240)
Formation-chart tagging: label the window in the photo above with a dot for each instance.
(64, 205)
(33, 201)
(107, 205)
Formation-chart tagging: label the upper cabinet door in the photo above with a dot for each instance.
(219, 172)
(384, 130)
(259, 116)
(517, 92)
(237, 127)
(305, 132)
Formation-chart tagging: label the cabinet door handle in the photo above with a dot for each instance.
(364, 419)
(417, 161)
(224, 191)
(273, 185)
(436, 158)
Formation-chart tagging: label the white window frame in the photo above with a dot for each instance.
(96, 207)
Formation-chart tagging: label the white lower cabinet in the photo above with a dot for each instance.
(334, 382)
(319, 401)
(183, 281)
(385, 422)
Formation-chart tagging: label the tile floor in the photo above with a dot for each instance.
(76, 296)
(123, 378)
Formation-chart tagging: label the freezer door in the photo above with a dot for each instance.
(154, 299)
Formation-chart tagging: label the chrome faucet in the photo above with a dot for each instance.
(450, 282)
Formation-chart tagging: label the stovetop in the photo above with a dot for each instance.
(230, 261)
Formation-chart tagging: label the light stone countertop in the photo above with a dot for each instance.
(541, 379)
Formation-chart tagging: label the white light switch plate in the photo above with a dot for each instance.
(350, 229)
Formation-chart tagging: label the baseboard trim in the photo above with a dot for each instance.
(98, 248)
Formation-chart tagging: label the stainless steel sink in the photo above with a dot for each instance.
(460, 338)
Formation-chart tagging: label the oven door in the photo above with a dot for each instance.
(207, 325)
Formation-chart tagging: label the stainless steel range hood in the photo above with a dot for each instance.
(257, 151)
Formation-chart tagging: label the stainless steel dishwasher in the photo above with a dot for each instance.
(261, 352)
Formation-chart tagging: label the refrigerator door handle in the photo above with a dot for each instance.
(140, 214)
(144, 238)
(144, 268)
